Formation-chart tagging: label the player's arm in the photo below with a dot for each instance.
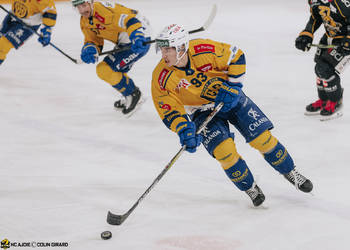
(230, 59)
(49, 15)
(169, 108)
(93, 44)
(48, 10)
(133, 26)
(305, 38)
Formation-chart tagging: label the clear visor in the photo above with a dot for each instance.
(160, 43)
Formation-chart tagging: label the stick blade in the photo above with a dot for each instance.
(211, 17)
(115, 219)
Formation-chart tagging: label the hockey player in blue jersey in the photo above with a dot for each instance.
(194, 76)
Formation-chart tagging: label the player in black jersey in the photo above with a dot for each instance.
(330, 62)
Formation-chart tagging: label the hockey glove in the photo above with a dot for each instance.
(344, 47)
(229, 94)
(45, 35)
(188, 136)
(89, 53)
(138, 40)
(304, 41)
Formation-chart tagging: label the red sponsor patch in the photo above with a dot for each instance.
(204, 48)
(166, 106)
(100, 27)
(205, 67)
(161, 78)
(100, 18)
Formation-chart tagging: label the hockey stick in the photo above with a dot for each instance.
(116, 219)
(203, 28)
(323, 46)
(34, 31)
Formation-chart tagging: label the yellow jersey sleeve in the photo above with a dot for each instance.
(168, 106)
(48, 9)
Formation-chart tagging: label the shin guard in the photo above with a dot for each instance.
(240, 175)
(280, 159)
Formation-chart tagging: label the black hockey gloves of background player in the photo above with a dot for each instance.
(304, 41)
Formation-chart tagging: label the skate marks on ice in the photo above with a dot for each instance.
(322, 118)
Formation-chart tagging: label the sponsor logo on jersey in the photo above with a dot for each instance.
(337, 56)
(346, 3)
(100, 27)
(182, 84)
(205, 67)
(204, 48)
(257, 124)
(127, 60)
(210, 136)
(165, 106)
(16, 36)
(253, 113)
(99, 17)
(161, 78)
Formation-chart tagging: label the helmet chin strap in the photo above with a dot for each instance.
(179, 58)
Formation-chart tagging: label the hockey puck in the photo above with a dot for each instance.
(106, 235)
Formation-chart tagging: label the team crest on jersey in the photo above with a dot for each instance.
(204, 48)
(99, 17)
(161, 78)
(205, 67)
(182, 84)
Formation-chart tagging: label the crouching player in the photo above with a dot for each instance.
(194, 76)
(33, 13)
(121, 26)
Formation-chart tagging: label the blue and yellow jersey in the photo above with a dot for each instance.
(177, 90)
(108, 22)
(35, 12)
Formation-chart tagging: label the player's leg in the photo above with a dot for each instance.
(315, 107)
(114, 70)
(219, 143)
(331, 86)
(329, 65)
(254, 126)
(279, 158)
(13, 35)
(5, 47)
(123, 84)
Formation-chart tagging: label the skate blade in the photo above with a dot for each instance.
(138, 106)
(331, 117)
(307, 113)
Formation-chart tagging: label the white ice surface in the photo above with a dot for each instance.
(66, 157)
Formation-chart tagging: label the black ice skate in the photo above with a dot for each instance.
(299, 181)
(256, 195)
(315, 107)
(331, 110)
(129, 103)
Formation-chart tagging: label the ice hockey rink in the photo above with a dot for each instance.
(67, 157)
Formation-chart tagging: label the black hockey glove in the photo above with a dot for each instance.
(344, 47)
(304, 41)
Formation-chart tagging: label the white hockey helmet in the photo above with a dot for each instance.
(75, 3)
(175, 36)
